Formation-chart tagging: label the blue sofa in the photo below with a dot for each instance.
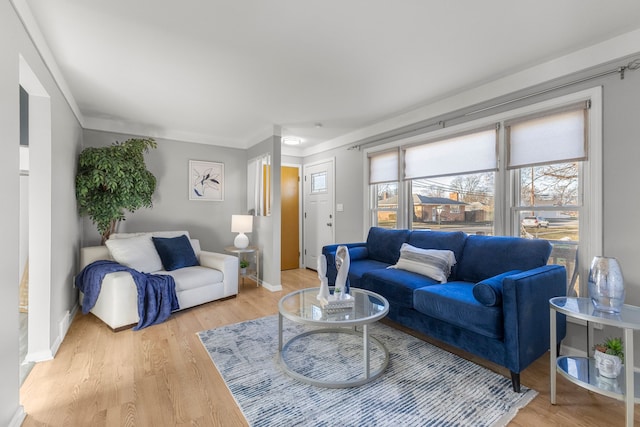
(506, 321)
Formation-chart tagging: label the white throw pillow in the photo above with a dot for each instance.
(137, 252)
(433, 263)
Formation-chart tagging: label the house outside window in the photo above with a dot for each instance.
(462, 202)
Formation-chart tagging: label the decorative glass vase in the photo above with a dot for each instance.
(606, 284)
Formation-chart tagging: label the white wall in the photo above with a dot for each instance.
(64, 236)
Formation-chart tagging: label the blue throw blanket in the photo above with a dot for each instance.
(156, 293)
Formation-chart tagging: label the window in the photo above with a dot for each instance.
(383, 182)
(546, 153)
(452, 181)
(319, 182)
(385, 205)
(460, 202)
(533, 172)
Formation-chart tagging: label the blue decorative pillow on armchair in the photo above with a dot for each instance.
(175, 252)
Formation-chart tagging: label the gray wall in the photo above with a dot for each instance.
(210, 222)
(64, 236)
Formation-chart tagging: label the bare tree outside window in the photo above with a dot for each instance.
(557, 183)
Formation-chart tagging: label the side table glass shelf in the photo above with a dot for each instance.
(253, 271)
(582, 370)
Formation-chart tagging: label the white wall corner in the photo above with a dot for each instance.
(18, 417)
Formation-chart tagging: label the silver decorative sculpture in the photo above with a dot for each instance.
(343, 261)
(322, 275)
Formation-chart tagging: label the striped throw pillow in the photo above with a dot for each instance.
(432, 263)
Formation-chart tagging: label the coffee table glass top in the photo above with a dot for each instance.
(304, 307)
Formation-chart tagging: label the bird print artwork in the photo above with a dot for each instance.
(206, 181)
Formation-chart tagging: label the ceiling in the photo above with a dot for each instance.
(226, 72)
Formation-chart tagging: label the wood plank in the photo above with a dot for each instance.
(163, 376)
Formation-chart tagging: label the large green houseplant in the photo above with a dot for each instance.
(114, 179)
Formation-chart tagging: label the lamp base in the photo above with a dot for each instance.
(241, 241)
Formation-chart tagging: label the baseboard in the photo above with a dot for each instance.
(18, 417)
(63, 328)
(273, 288)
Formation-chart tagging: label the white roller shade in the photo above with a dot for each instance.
(469, 153)
(383, 167)
(550, 139)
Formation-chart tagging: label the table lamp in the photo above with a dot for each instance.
(241, 224)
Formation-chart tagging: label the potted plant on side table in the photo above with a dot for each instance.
(243, 266)
(609, 356)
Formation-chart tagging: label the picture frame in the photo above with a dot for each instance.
(206, 181)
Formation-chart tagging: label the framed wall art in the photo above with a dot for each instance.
(206, 181)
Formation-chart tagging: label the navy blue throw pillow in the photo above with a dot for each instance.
(175, 252)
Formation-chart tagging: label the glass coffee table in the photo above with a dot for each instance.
(304, 356)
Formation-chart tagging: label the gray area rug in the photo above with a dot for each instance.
(422, 386)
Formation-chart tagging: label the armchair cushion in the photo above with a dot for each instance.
(136, 252)
(175, 252)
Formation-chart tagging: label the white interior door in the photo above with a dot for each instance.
(318, 210)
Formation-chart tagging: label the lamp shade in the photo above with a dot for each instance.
(241, 223)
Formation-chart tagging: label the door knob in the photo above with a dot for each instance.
(329, 224)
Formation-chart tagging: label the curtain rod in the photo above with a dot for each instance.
(631, 66)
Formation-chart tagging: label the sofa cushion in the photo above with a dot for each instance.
(396, 286)
(384, 245)
(194, 277)
(175, 252)
(454, 303)
(136, 252)
(451, 240)
(489, 291)
(360, 267)
(433, 263)
(358, 253)
(194, 242)
(488, 256)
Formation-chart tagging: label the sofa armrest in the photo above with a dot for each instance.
(90, 254)
(525, 304)
(228, 264)
(329, 252)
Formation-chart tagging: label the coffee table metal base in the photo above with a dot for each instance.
(367, 340)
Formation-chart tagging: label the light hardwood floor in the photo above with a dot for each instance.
(162, 375)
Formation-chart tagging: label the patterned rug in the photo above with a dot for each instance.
(422, 386)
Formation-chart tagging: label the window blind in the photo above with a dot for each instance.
(469, 153)
(383, 166)
(554, 138)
